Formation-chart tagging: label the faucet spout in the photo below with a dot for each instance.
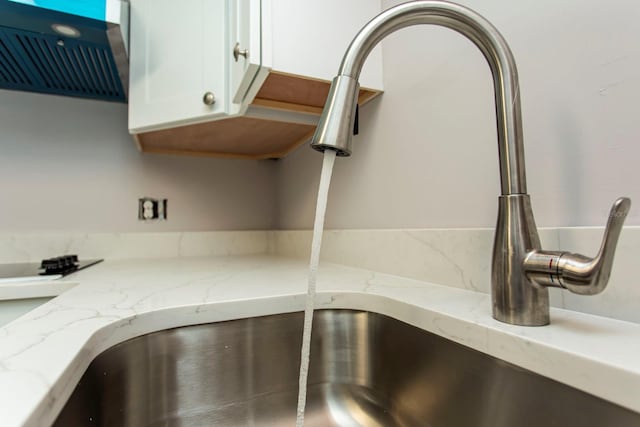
(521, 271)
(335, 124)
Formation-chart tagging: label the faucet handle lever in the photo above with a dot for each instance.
(578, 273)
(618, 214)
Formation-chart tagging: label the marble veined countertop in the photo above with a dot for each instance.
(45, 352)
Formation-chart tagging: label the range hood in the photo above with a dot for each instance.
(73, 48)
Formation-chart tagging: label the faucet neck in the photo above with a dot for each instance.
(494, 48)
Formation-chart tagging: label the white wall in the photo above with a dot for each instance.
(69, 165)
(427, 154)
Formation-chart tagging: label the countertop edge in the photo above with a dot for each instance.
(427, 306)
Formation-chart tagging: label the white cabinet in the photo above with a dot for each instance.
(240, 78)
(180, 52)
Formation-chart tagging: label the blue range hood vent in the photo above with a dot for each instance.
(55, 52)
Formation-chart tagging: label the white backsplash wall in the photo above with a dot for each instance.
(427, 153)
(33, 247)
(70, 165)
(461, 258)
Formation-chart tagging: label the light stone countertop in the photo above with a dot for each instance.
(16, 290)
(44, 353)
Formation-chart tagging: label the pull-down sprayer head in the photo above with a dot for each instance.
(336, 123)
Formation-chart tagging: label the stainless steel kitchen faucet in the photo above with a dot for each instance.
(521, 270)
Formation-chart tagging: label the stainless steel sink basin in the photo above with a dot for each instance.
(366, 370)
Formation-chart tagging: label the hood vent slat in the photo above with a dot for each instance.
(46, 63)
(10, 69)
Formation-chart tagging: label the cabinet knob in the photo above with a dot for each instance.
(209, 98)
(237, 52)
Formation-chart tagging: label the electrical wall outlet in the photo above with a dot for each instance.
(150, 209)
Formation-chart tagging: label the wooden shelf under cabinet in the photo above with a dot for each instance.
(251, 137)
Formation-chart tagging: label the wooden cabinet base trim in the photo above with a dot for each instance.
(251, 137)
(299, 93)
(238, 137)
(286, 106)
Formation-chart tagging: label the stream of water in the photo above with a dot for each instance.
(318, 226)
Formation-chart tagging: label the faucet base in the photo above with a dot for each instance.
(516, 299)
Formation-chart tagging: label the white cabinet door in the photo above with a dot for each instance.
(246, 51)
(178, 54)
